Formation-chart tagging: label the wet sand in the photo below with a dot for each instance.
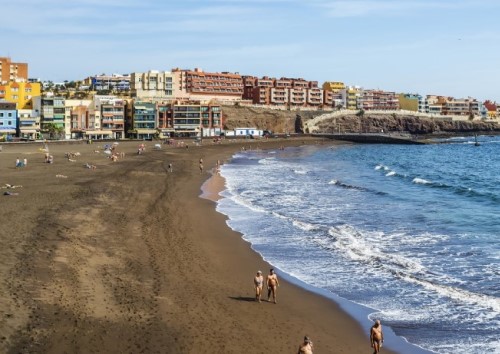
(127, 258)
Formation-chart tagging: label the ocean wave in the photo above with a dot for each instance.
(382, 167)
(267, 161)
(456, 294)
(300, 172)
(392, 173)
(345, 185)
(305, 226)
(417, 180)
(245, 203)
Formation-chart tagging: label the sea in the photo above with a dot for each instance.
(408, 234)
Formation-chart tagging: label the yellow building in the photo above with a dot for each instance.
(20, 93)
(333, 86)
(408, 102)
(353, 92)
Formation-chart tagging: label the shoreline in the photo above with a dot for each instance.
(128, 258)
(211, 189)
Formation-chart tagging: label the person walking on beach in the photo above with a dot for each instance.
(376, 337)
(201, 166)
(306, 347)
(272, 284)
(170, 168)
(259, 284)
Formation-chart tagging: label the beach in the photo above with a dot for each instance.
(127, 258)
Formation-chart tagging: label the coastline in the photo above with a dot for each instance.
(129, 258)
(211, 189)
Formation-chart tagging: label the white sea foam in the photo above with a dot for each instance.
(333, 181)
(360, 248)
(458, 295)
(300, 172)
(268, 161)
(392, 173)
(305, 226)
(421, 181)
(244, 202)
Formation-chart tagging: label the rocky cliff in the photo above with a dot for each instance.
(278, 121)
(292, 121)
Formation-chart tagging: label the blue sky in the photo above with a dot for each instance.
(445, 47)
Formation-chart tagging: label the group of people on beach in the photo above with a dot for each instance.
(272, 283)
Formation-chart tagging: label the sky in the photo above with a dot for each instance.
(442, 47)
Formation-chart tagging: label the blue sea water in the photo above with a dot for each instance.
(410, 232)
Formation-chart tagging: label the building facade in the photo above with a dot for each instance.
(152, 85)
(8, 120)
(114, 82)
(28, 124)
(205, 86)
(10, 71)
(378, 100)
(53, 113)
(21, 93)
(144, 120)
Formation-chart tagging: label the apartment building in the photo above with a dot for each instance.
(106, 118)
(314, 96)
(334, 94)
(195, 119)
(53, 112)
(8, 119)
(152, 85)
(144, 122)
(10, 71)
(21, 93)
(409, 101)
(378, 100)
(205, 86)
(165, 119)
(79, 120)
(28, 123)
(352, 95)
(114, 82)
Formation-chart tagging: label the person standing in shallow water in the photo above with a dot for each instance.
(376, 337)
(259, 284)
(272, 285)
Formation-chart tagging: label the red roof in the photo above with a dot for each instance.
(490, 106)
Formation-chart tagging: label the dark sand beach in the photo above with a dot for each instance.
(127, 258)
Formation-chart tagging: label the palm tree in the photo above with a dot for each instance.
(53, 130)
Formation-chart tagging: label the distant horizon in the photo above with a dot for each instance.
(443, 47)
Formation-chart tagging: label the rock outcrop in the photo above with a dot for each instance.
(282, 121)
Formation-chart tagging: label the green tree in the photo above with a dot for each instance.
(53, 130)
(360, 113)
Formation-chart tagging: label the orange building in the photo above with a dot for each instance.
(197, 84)
(282, 92)
(10, 71)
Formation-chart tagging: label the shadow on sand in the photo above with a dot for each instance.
(243, 298)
